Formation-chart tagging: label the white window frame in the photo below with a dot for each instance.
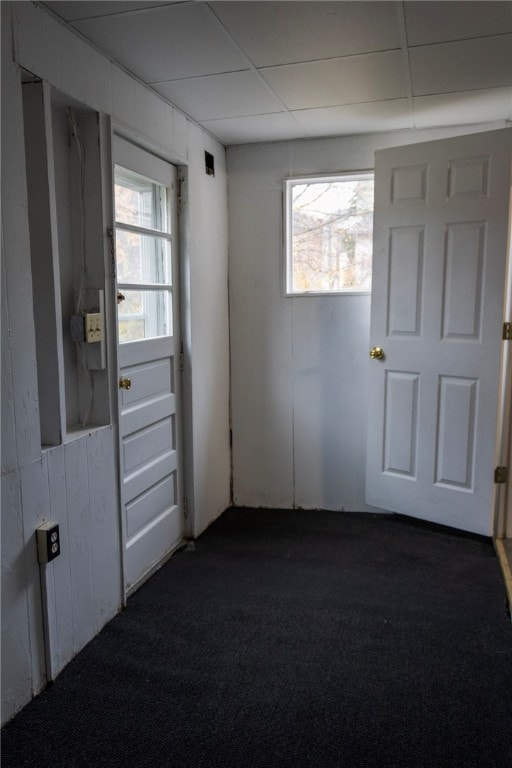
(289, 183)
(138, 163)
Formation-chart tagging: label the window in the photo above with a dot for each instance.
(143, 255)
(329, 232)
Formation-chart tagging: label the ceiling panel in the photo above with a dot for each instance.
(436, 22)
(356, 118)
(246, 130)
(170, 42)
(461, 108)
(461, 66)
(263, 71)
(355, 79)
(284, 32)
(71, 10)
(231, 95)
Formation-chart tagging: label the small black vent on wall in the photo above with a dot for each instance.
(209, 164)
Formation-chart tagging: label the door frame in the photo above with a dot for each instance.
(184, 434)
(503, 493)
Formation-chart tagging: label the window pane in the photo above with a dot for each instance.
(332, 231)
(140, 201)
(144, 315)
(142, 258)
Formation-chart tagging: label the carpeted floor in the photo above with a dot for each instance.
(293, 639)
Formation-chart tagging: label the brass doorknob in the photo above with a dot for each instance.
(125, 383)
(376, 353)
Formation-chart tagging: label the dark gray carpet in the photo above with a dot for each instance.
(293, 639)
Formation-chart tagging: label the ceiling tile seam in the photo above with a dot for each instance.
(113, 62)
(134, 12)
(303, 109)
(491, 122)
(406, 62)
(350, 104)
(337, 105)
(252, 66)
(460, 39)
(329, 58)
(199, 77)
(235, 117)
(462, 90)
(257, 70)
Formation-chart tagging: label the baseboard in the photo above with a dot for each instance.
(504, 552)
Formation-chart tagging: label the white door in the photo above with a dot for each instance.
(440, 249)
(148, 359)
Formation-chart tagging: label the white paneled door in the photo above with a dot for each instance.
(440, 253)
(148, 359)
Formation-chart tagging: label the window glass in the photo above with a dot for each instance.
(144, 315)
(139, 201)
(142, 258)
(329, 234)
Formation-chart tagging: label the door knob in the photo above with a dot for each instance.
(376, 353)
(125, 383)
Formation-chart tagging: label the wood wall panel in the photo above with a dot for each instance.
(15, 646)
(76, 482)
(60, 572)
(104, 527)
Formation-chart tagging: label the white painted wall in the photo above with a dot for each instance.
(209, 325)
(75, 483)
(299, 365)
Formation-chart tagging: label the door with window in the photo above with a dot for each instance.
(440, 254)
(148, 359)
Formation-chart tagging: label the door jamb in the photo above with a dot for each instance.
(186, 350)
(503, 493)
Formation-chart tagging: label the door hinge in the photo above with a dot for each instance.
(180, 196)
(500, 475)
(185, 507)
(507, 332)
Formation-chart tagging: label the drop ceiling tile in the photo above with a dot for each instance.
(355, 79)
(71, 10)
(461, 66)
(460, 108)
(356, 118)
(258, 128)
(436, 22)
(284, 32)
(230, 95)
(168, 43)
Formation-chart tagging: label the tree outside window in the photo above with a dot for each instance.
(329, 224)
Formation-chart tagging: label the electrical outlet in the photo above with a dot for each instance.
(48, 542)
(94, 353)
(93, 327)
